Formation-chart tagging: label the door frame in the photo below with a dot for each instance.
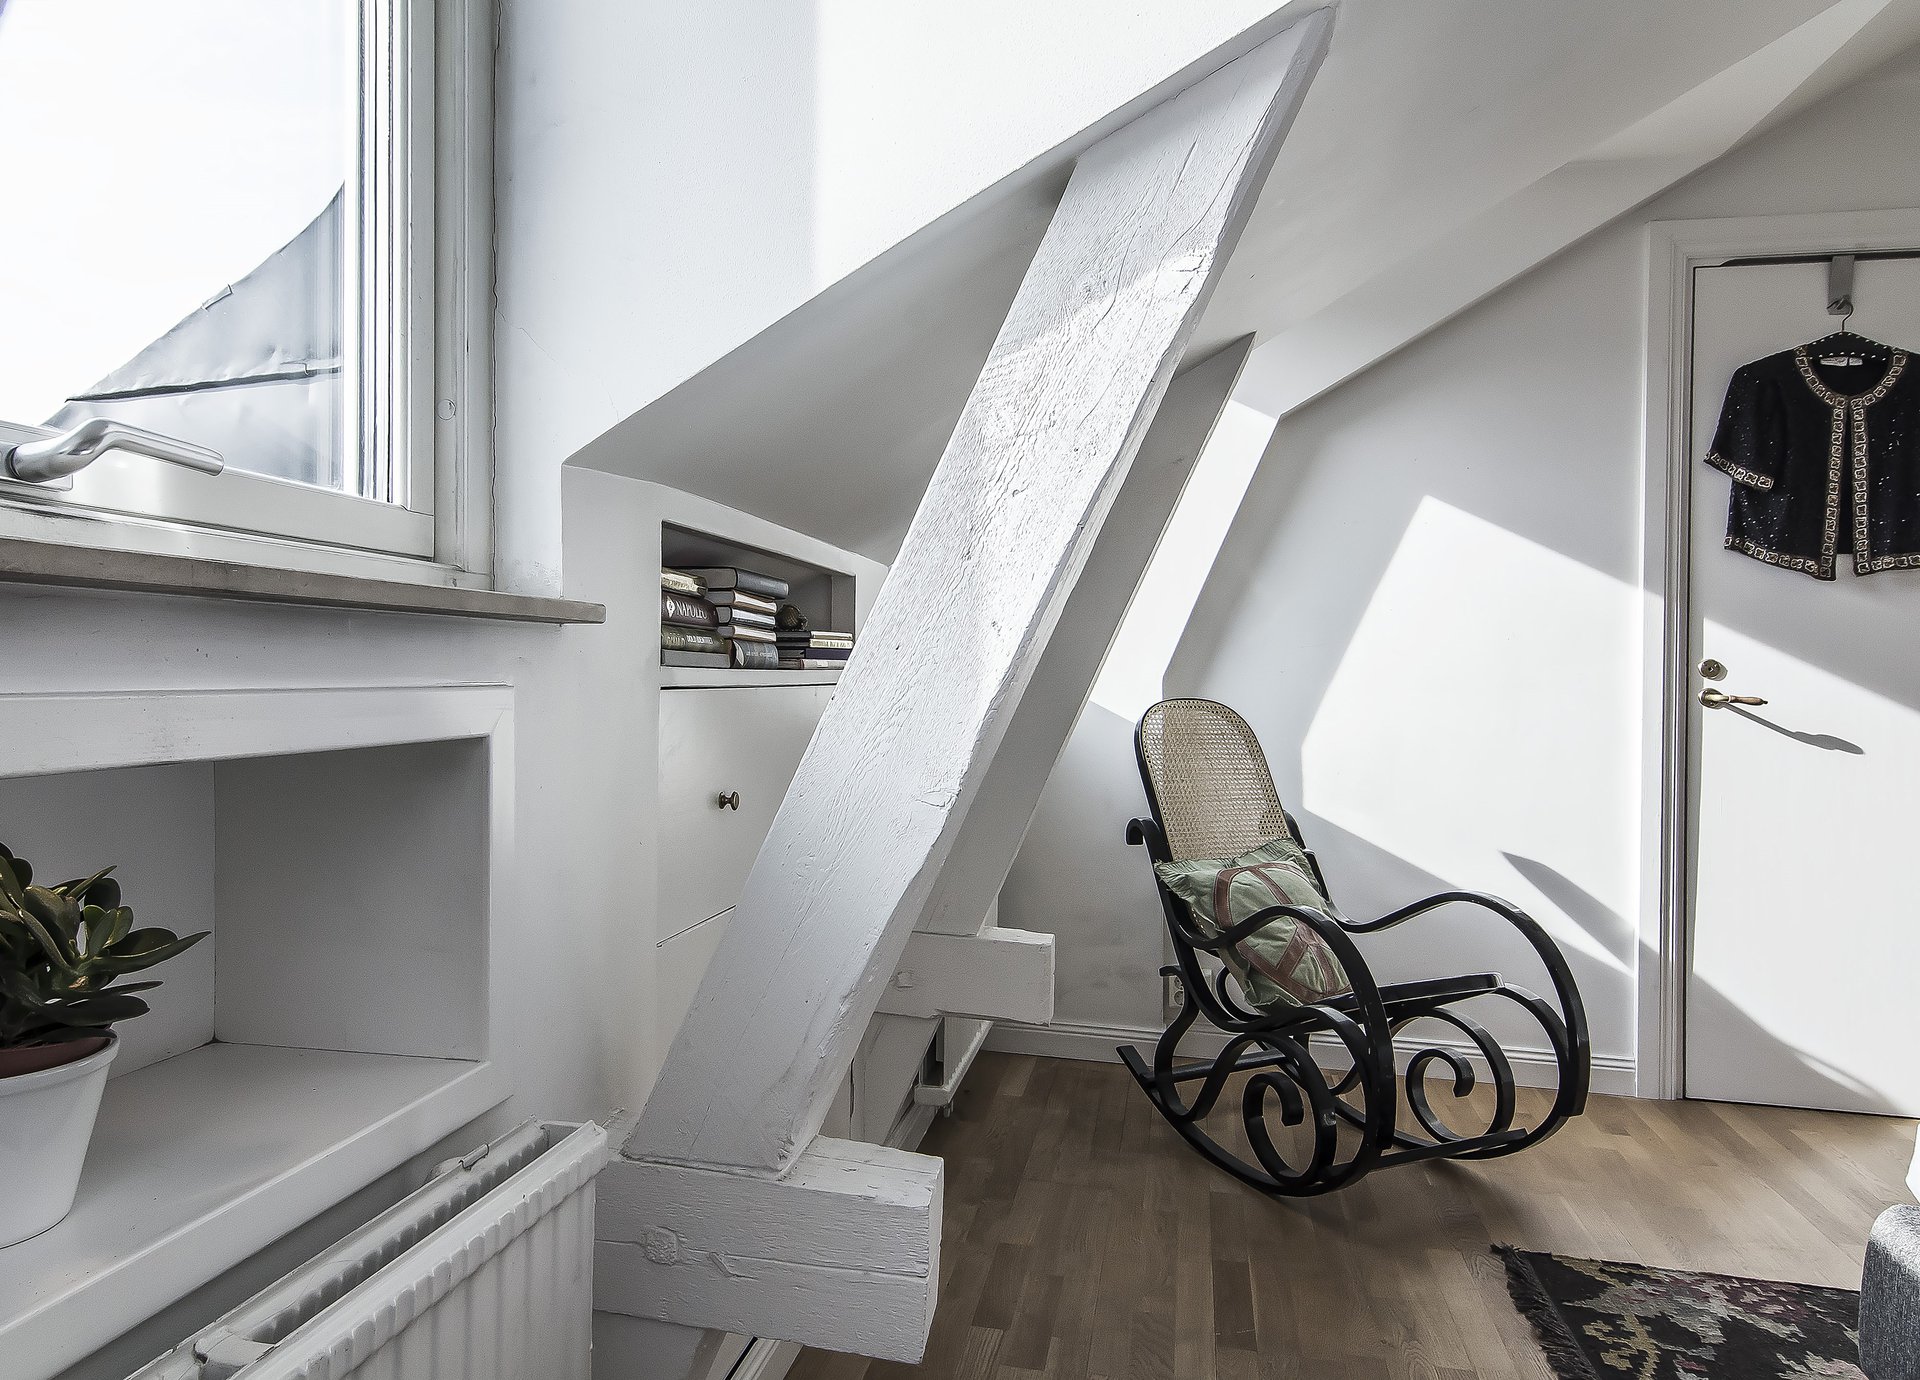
(1675, 248)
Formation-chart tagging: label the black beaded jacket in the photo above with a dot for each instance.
(1823, 458)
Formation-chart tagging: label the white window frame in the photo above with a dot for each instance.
(427, 289)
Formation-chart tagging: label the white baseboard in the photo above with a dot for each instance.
(1098, 1044)
(1613, 1074)
(766, 1359)
(912, 1127)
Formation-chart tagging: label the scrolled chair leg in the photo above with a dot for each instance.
(1498, 1136)
(1284, 1082)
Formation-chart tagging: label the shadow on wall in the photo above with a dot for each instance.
(1428, 607)
(1077, 878)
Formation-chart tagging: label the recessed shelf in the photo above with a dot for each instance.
(202, 1159)
(824, 592)
(707, 678)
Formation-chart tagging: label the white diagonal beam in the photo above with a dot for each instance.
(854, 857)
(884, 802)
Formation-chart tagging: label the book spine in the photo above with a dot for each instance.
(739, 632)
(809, 663)
(678, 608)
(751, 618)
(679, 639)
(682, 583)
(755, 656)
(765, 585)
(732, 577)
(740, 599)
(705, 660)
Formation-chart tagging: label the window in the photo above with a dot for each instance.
(246, 226)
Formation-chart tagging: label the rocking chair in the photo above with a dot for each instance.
(1212, 797)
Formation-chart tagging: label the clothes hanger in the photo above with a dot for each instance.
(1843, 349)
(1846, 349)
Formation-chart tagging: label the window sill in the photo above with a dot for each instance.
(23, 561)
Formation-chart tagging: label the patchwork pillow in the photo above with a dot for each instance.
(1284, 963)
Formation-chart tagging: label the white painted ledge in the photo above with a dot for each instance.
(996, 975)
(201, 1160)
(721, 677)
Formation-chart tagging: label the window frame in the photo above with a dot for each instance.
(427, 291)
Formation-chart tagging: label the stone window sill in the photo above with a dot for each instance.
(29, 562)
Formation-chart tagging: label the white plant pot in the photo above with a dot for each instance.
(46, 1120)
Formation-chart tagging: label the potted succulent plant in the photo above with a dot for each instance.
(62, 950)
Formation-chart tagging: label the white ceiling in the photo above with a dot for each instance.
(1423, 151)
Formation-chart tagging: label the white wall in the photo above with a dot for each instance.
(674, 178)
(1429, 608)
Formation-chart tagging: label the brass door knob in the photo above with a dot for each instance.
(1718, 699)
(729, 800)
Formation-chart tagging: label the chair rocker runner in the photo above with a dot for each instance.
(1213, 801)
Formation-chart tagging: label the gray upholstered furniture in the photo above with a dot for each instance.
(1890, 1297)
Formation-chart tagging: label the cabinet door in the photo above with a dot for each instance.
(715, 742)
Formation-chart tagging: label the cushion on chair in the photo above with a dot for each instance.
(1284, 963)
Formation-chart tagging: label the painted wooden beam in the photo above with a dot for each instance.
(855, 856)
(837, 1253)
(1040, 727)
(997, 974)
(748, 1222)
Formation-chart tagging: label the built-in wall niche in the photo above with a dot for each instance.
(346, 892)
(825, 595)
(344, 848)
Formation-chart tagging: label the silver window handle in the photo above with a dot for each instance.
(56, 459)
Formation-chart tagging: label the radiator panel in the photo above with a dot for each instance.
(484, 1274)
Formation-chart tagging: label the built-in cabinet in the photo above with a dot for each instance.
(729, 744)
(726, 758)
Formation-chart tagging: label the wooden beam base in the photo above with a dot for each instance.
(841, 1252)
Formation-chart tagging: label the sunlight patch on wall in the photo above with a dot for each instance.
(1480, 705)
(1132, 676)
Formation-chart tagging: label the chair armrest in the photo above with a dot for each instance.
(1530, 930)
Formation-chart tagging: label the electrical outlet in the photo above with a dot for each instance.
(1173, 993)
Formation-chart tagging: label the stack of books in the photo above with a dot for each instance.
(803, 648)
(719, 616)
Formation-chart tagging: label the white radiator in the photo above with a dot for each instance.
(484, 1274)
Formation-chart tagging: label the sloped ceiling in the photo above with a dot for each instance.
(1426, 150)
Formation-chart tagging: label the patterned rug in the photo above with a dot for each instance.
(1598, 1320)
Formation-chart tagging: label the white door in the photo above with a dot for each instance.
(1804, 985)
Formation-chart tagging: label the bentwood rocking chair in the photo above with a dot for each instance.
(1212, 798)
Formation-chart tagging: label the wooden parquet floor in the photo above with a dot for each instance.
(1082, 1238)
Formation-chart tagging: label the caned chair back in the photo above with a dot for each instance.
(1208, 779)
